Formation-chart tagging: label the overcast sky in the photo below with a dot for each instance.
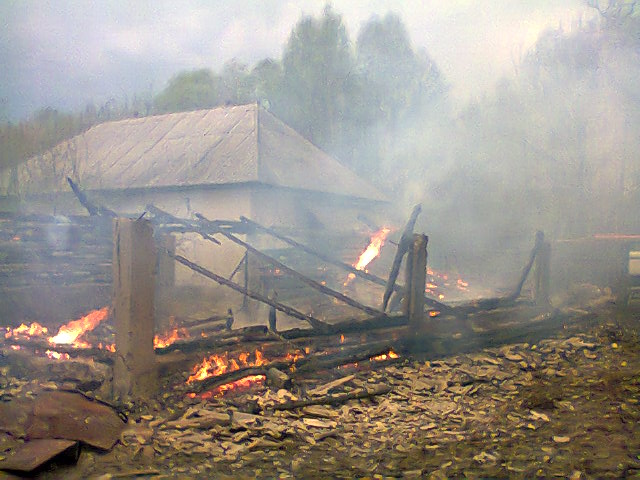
(65, 53)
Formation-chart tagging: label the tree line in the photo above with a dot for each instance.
(553, 147)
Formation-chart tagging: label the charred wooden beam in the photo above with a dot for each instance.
(527, 268)
(332, 261)
(403, 248)
(353, 355)
(349, 326)
(92, 208)
(303, 278)
(314, 322)
(244, 335)
(302, 366)
(162, 216)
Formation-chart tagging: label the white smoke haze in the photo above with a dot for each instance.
(536, 126)
(65, 54)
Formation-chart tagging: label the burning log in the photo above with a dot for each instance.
(244, 335)
(325, 362)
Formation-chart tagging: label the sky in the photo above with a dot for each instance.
(67, 53)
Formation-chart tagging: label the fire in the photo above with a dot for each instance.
(167, 338)
(385, 356)
(111, 347)
(215, 365)
(373, 250)
(56, 355)
(33, 330)
(434, 313)
(370, 253)
(70, 332)
(245, 382)
(436, 281)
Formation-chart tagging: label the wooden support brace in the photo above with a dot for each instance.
(416, 279)
(543, 276)
(134, 263)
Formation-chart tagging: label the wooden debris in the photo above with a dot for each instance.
(278, 379)
(403, 248)
(35, 453)
(335, 400)
(71, 416)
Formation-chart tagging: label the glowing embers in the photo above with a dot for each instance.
(385, 356)
(371, 252)
(438, 281)
(165, 339)
(246, 382)
(70, 333)
(56, 355)
(24, 331)
(215, 365)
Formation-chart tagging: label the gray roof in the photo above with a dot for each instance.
(224, 145)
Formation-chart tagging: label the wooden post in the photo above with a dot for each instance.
(416, 279)
(134, 263)
(543, 276)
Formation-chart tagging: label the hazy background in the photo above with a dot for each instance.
(65, 54)
(500, 118)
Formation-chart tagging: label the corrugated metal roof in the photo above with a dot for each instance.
(224, 145)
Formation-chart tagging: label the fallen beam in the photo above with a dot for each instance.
(314, 322)
(93, 209)
(403, 248)
(303, 278)
(349, 268)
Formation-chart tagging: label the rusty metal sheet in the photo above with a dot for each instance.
(35, 453)
(72, 416)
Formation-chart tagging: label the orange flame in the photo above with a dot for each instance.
(370, 253)
(242, 383)
(165, 339)
(33, 330)
(57, 355)
(70, 332)
(373, 249)
(215, 365)
(385, 356)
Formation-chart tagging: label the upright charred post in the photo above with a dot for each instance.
(134, 263)
(416, 274)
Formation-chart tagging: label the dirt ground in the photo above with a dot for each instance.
(565, 407)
